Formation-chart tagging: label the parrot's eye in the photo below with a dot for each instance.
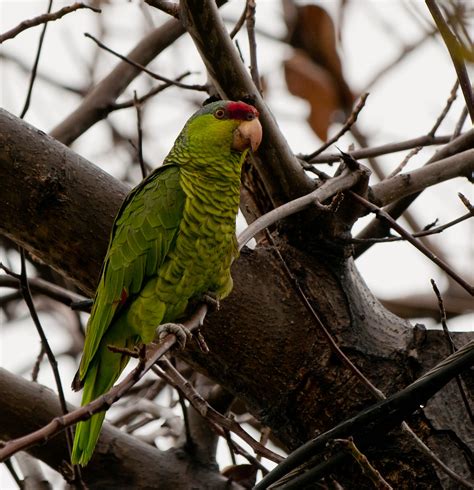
(219, 114)
(250, 116)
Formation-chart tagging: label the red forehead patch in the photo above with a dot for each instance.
(241, 110)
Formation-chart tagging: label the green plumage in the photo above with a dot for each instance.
(173, 240)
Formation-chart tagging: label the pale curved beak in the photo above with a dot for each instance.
(247, 135)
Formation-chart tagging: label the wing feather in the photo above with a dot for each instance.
(142, 235)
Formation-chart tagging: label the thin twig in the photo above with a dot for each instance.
(250, 23)
(36, 367)
(380, 213)
(231, 448)
(44, 19)
(373, 422)
(329, 338)
(155, 90)
(455, 50)
(251, 459)
(466, 202)
(175, 378)
(25, 290)
(460, 123)
(384, 149)
(40, 286)
(431, 231)
(431, 133)
(447, 107)
(104, 402)
(14, 474)
(350, 121)
(409, 48)
(139, 135)
(239, 23)
(35, 66)
(452, 347)
(187, 429)
(376, 478)
(199, 88)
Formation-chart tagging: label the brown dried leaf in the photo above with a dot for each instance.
(309, 81)
(311, 31)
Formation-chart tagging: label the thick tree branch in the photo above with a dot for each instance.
(120, 460)
(402, 185)
(60, 207)
(54, 189)
(58, 424)
(281, 173)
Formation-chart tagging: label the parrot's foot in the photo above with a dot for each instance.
(212, 301)
(183, 334)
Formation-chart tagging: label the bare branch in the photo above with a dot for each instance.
(250, 22)
(385, 413)
(155, 90)
(452, 347)
(281, 173)
(375, 151)
(106, 91)
(139, 466)
(26, 105)
(350, 121)
(432, 132)
(376, 228)
(321, 194)
(455, 50)
(44, 19)
(199, 88)
(416, 243)
(58, 424)
(240, 22)
(376, 478)
(213, 416)
(406, 184)
(170, 8)
(26, 293)
(40, 286)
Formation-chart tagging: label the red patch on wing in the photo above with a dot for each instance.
(123, 296)
(242, 111)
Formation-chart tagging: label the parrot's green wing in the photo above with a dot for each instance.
(143, 233)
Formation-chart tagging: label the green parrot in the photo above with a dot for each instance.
(173, 240)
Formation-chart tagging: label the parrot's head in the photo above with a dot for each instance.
(224, 126)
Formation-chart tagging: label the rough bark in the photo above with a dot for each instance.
(265, 348)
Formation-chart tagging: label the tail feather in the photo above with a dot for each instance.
(101, 375)
(85, 440)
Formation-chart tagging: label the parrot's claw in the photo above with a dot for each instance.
(212, 301)
(182, 333)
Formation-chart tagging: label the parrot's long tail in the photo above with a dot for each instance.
(102, 373)
(87, 432)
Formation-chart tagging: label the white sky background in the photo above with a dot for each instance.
(402, 105)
